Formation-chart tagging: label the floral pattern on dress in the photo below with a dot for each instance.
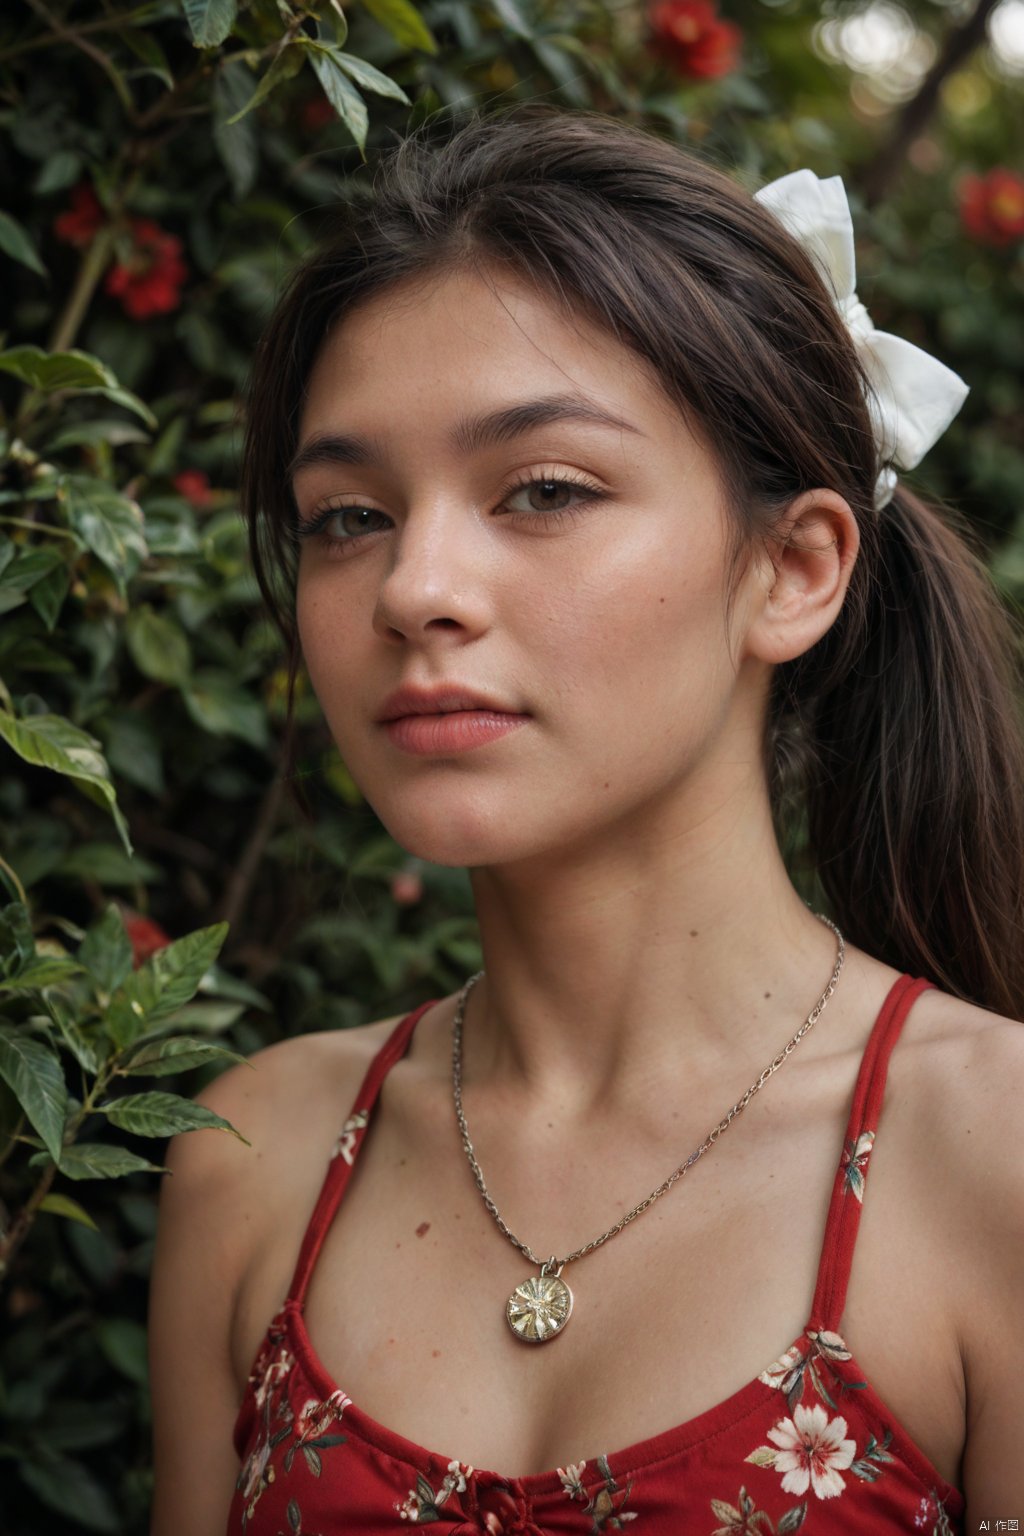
(747, 1520)
(796, 1367)
(854, 1162)
(310, 1431)
(345, 1146)
(498, 1509)
(422, 1505)
(812, 1451)
(932, 1517)
(607, 1504)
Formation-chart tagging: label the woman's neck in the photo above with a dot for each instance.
(679, 948)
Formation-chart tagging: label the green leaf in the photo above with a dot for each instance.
(17, 944)
(34, 1074)
(159, 646)
(368, 77)
(96, 1160)
(285, 65)
(404, 22)
(63, 1205)
(47, 596)
(67, 1487)
(237, 142)
(50, 741)
(111, 525)
(513, 18)
(30, 566)
(42, 971)
(61, 169)
(163, 984)
(133, 750)
(17, 242)
(76, 371)
(108, 864)
(106, 951)
(102, 430)
(163, 1114)
(75, 1039)
(217, 703)
(181, 1053)
(124, 1344)
(149, 53)
(342, 95)
(181, 966)
(210, 21)
(211, 1017)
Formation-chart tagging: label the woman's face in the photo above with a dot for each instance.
(593, 602)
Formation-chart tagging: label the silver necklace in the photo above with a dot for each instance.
(539, 1308)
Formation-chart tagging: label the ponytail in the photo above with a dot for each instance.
(913, 760)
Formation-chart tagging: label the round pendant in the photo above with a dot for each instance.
(539, 1308)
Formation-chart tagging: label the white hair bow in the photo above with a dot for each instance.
(913, 397)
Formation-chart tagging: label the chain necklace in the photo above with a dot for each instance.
(540, 1307)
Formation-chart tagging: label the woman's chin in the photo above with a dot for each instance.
(466, 838)
(453, 847)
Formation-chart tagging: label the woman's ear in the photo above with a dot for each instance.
(801, 581)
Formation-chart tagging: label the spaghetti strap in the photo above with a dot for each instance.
(851, 1175)
(345, 1149)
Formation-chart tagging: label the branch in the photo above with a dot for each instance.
(883, 168)
(51, 39)
(236, 892)
(73, 36)
(94, 264)
(12, 1239)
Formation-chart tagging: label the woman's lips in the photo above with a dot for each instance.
(441, 735)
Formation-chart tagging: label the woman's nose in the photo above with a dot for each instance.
(438, 576)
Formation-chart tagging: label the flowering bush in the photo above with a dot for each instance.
(992, 207)
(149, 281)
(693, 38)
(160, 177)
(194, 485)
(80, 223)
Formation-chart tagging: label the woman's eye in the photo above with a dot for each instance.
(550, 494)
(341, 525)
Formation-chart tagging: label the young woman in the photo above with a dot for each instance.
(602, 574)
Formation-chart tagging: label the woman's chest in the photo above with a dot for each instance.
(675, 1315)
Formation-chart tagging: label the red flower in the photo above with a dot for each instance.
(79, 224)
(992, 206)
(693, 39)
(145, 935)
(194, 485)
(150, 282)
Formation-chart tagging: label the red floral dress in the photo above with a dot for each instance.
(807, 1445)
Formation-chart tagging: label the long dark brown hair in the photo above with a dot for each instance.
(898, 735)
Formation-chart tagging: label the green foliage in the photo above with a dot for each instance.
(166, 166)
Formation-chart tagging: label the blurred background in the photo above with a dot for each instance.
(164, 902)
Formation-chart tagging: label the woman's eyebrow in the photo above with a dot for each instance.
(468, 434)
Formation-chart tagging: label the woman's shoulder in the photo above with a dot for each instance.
(967, 1116)
(960, 1072)
(235, 1201)
(287, 1103)
(955, 1097)
(277, 1100)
